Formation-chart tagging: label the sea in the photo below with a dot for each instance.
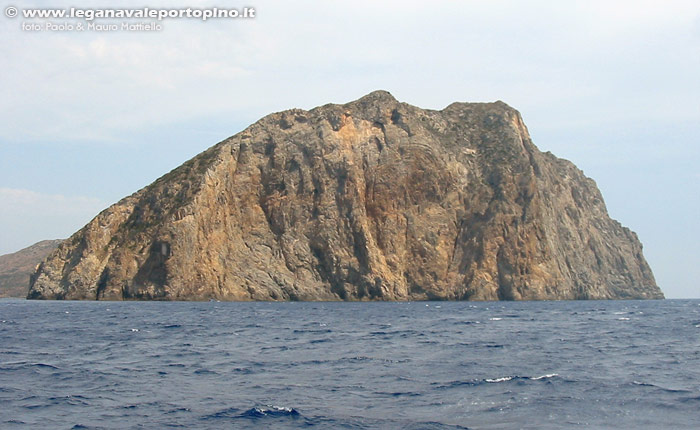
(336, 365)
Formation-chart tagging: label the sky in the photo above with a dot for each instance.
(89, 117)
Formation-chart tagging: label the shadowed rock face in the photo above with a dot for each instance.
(371, 200)
(16, 268)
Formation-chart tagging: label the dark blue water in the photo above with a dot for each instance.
(538, 365)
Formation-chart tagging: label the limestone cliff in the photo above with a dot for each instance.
(371, 200)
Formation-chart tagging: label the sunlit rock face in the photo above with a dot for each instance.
(371, 200)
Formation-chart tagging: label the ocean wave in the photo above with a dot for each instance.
(399, 393)
(320, 330)
(46, 366)
(547, 376)
(502, 379)
(275, 348)
(690, 399)
(255, 413)
(508, 378)
(172, 326)
(73, 400)
(522, 378)
(466, 322)
(271, 411)
(658, 387)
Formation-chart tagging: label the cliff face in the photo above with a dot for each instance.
(371, 200)
(16, 268)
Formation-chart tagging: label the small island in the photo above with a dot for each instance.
(370, 200)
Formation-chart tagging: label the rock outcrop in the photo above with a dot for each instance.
(16, 268)
(371, 200)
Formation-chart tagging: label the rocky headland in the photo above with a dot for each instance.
(17, 267)
(370, 200)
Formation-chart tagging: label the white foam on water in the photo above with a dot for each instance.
(272, 409)
(134, 329)
(495, 319)
(623, 319)
(503, 379)
(549, 375)
(620, 313)
(281, 408)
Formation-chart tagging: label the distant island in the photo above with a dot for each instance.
(370, 200)
(15, 268)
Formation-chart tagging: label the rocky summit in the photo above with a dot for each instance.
(370, 200)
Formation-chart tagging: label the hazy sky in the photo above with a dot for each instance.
(90, 117)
